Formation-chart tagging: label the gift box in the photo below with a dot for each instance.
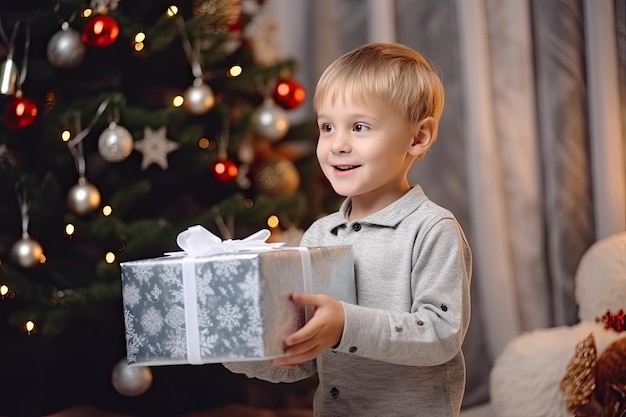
(227, 303)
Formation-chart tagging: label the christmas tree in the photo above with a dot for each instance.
(124, 123)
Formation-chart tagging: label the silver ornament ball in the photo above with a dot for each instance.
(270, 121)
(199, 98)
(65, 49)
(131, 380)
(26, 252)
(83, 198)
(115, 143)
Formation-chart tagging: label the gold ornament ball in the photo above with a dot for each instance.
(115, 143)
(277, 177)
(270, 121)
(26, 252)
(131, 380)
(83, 198)
(199, 98)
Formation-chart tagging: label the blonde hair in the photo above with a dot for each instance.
(396, 74)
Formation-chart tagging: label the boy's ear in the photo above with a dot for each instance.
(424, 136)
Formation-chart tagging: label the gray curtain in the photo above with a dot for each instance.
(526, 157)
(564, 133)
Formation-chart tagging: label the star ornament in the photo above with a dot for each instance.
(155, 146)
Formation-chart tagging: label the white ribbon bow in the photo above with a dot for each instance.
(198, 241)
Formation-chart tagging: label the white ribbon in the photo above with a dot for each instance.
(198, 241)
(307, 277)
(192, 329)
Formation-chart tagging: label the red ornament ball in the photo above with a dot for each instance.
(235, 17)
(289, 93)
(224, 170)
(100, 31)
(20, 113)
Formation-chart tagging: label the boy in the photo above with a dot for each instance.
(398, 352)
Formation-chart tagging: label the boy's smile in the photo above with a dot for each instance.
(346, 168)
(365, 150)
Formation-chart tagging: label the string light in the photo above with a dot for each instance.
(203, 143)
(6, 292)
(87, 12)
(178, 101)
(273, 221)
(69, 229)
(51, 99)
(235, 71)
(110, 257)
(29, 326)
(66, 135)
(138, 40)
(107, 210)
(172, 11)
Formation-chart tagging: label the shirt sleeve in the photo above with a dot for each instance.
(267, 372)
(432, 333)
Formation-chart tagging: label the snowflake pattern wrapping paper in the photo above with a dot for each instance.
(241, 311)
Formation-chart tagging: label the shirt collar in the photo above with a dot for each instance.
(389, 216)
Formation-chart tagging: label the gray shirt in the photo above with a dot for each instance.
(400, 352)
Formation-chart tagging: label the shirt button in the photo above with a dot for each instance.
(399, 329)
(352, 349)
(444, 307)
(420, 323)
(334, 392)
(356, 227)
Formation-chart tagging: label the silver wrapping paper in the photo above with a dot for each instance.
(242, 302)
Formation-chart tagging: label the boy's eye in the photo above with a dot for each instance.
(325, 127)
(359, 127)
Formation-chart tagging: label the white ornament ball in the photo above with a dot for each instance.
(83, 198)
(26, 252)
(65, 49)
(199, 98)
(600, 281)
(115, 143)
(131, 380)
(270, 121)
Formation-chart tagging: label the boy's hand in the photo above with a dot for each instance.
(322, 331)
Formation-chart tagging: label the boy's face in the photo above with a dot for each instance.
(363, 149)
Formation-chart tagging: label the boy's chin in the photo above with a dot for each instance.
(341, 192)
(344, 189)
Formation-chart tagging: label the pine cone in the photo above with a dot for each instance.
(611, 372)
(579, 383)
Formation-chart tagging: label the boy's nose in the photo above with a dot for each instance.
(341, 143)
